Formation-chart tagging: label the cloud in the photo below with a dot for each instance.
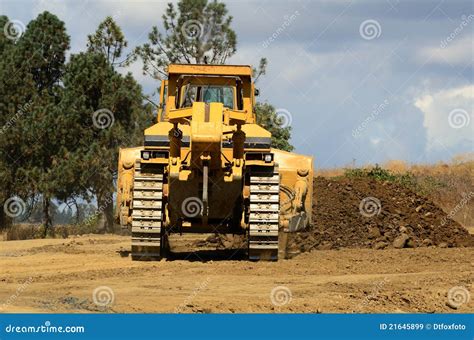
(448, 117)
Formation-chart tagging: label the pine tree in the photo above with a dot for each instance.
(106, 111)
(40, 57)
(16, 91)
(196, 32)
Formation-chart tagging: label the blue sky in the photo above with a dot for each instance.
(368, 81)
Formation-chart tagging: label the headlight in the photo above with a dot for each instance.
(268, 158)
(146, 155)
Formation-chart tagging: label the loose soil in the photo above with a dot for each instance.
(365, 213)
(60, 276)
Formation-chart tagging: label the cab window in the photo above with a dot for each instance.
(208, 94)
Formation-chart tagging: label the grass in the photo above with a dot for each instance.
(26, 231)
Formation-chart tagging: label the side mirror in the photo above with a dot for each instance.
(256, 92)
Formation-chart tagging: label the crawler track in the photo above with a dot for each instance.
(264, 216)
(147, 215)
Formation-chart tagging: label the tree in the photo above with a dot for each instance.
(6, 114)
(277, 123)
(197, 32)
(106, 112)
(39, 58)
(108, 40)
(13, 94)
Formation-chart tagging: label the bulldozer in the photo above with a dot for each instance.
(207, 166)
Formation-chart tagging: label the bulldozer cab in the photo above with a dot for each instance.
(188, 84)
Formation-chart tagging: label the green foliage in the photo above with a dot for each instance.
(421, 185)
(108, 40)
(261, 70)
(31, 139)
(105, 111)
(377, 173)
(42, 50)
(268, 119)
(15, 91)
(53, 142)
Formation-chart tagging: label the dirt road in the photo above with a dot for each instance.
(57, 275)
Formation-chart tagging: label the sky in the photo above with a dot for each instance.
(359, 81)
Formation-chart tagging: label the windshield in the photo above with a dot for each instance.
(209, 94)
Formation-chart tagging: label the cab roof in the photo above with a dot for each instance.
(205, 69)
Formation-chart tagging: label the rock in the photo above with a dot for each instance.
(325, 246)
(410, 243)
(403, 229)
(374, 232)
(418, 208)
(400, 241)
(380, 245)
(443, 245)
(428, 214)
(427, 242)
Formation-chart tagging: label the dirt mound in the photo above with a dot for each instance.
(367, 213)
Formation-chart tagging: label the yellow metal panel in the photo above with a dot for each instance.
(215, 113)
(206, 125)
(223, 70)
(254, 130)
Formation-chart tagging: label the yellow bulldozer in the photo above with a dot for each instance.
(206, 166)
